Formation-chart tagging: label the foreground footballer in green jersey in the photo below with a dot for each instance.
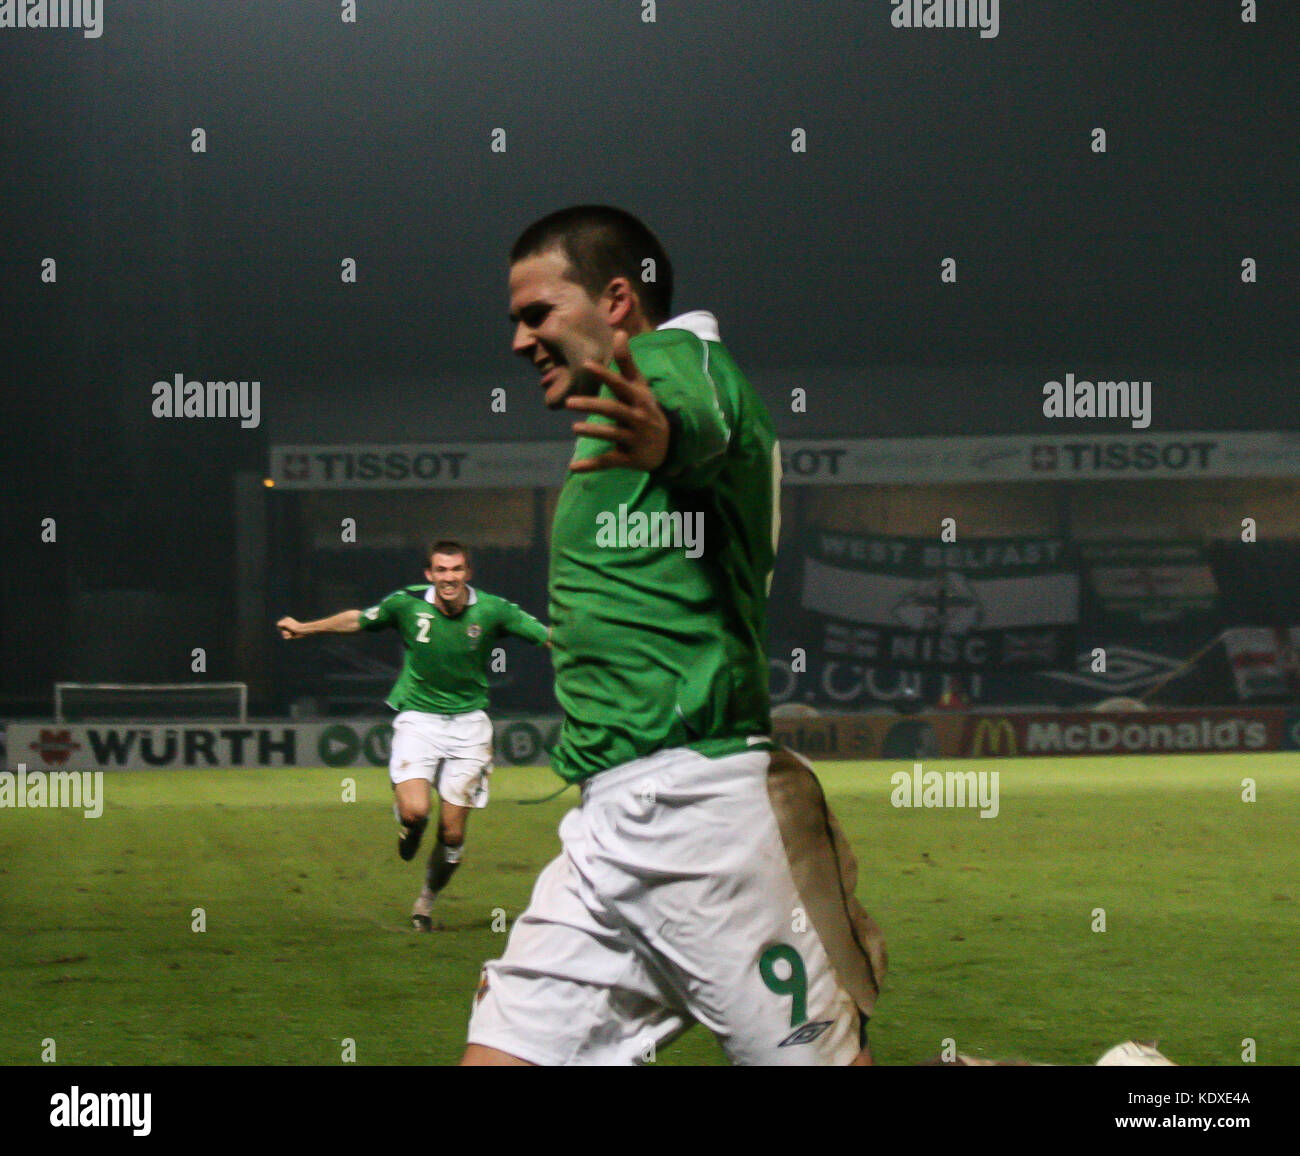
(442, 736)
(677, 896)
(661, 612)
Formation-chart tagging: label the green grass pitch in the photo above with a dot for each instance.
(989, 921)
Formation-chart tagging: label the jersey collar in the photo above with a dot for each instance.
(699, 321)
(431, 596)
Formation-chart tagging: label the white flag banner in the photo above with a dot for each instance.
(986, 603)
(1256, 657)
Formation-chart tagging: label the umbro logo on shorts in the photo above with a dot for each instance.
(805, 1033)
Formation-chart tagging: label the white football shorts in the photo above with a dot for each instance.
(453, 752)
(690, 890)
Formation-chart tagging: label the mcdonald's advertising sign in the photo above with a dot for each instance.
(1186, 731)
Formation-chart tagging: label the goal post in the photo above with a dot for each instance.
(76, 702)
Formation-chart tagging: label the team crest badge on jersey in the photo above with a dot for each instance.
(482, 986)
(473, 630)
(805, 1034)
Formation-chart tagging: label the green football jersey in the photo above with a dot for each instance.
(445, 668)
(659, 581)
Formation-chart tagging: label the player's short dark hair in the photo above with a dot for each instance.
(601, 243)
(448, 546)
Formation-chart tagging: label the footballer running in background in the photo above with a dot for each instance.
(442, 736)
(702, 878)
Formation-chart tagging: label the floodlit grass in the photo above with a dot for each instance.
(989, 921)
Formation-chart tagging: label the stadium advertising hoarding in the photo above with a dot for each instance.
(1041, 733)
(454, 465)
(144, 746)
(365, 742)
(525, 741)
(871, 736)
(1127, 733)
(1020, 458)
(913, 603)
(830, 461)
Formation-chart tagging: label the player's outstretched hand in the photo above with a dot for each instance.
(290, 628)
(640, 431)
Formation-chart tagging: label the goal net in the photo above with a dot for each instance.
(77, 702)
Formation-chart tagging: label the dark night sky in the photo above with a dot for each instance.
(371, 140)
(328, 140)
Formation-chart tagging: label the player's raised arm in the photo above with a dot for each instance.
(640, 431)
(666, 412)
(515, 620)
(345, 622)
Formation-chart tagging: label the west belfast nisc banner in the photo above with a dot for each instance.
(919, 603)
